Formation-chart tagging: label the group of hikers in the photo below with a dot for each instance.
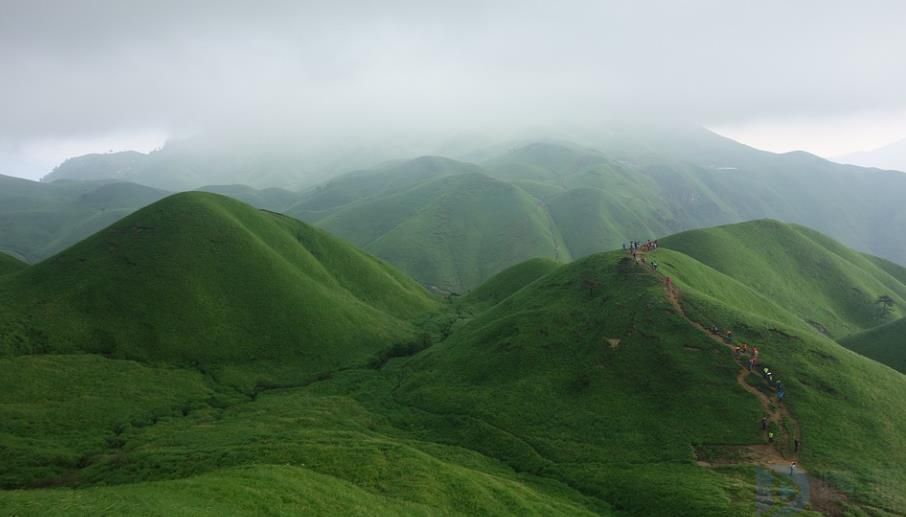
(749, 356)
(744, 353)
(637, 247)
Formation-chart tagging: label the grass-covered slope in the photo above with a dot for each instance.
(473, 229)
(58, 411)
(135, 440)
(510, 280)
(849, 408)
(10, 264)
(825, 284)
(443, 222)
(586, 376)
(589, 376)
(40, 219)
(884, 343)
(199, 278)
(387, 179)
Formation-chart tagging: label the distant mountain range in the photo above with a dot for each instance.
(564, 201)
(453, 224)
(891, 156)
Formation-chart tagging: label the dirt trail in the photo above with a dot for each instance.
(774, 412)
(812, 493)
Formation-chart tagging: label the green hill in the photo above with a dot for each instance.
(38, 220)
(884, 343)
(510, 280)
(440, 221)
(845, 405)
(391, 178)
(10, 264)
(825, 284)
(607, 389)
(201, 279)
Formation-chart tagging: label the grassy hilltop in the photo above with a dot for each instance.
(292, 372)
(446, 223)
(823, 283)
(202, 279)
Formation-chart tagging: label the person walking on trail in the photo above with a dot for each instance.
(654, 264)
(771, 436)
(729, 336)
(792, 468)
(764, 423)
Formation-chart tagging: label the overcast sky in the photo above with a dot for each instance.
(89, 76)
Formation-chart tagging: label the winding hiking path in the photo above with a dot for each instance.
(770, 460)
(776, 413)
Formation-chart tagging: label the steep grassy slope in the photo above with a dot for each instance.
(443, 222)
(848, 407)
(199, 278)
(831, 287)
(10, 264)
(885, 343)
(592, 388)
(466, 233)
(588, 376)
